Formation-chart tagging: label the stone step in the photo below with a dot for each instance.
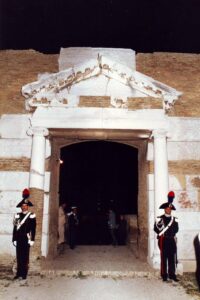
(100, 273)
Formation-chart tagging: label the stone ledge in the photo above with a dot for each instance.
(100, 274)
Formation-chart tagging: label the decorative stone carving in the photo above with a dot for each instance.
(159, 133)
(38, 131)
(55, 89)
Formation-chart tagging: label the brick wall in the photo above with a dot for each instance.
(18, 68)
(15, 164)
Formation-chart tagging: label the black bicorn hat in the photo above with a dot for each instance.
(25, 195)
(167, 204)
(170, 196)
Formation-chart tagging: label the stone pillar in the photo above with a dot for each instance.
(37, 171)
(161, 180)
(36, 185)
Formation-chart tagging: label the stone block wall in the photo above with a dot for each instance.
(15, 149)
(184, 177)
(15, 154)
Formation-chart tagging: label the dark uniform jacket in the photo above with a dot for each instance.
(26, 230)
(72, 220)
(162, 222)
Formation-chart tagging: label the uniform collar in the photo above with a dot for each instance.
(168, 216)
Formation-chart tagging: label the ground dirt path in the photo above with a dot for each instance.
(97, 273)
(91, 288)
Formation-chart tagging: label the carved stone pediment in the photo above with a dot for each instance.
(95, 77)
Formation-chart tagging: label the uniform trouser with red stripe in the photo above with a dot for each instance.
(168, 256)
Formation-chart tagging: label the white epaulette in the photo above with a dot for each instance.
(33, 215)
(176, 219)
(158, 219)
(16, 216)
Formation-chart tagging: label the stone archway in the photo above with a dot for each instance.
(61, 138)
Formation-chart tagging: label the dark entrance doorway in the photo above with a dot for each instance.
(94, 176)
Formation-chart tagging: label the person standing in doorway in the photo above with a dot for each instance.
(73, 224)
(122, 230)
(166, 227)
(23, 234)
(61, 226)
(112, 225)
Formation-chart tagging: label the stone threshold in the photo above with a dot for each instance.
(100, 273)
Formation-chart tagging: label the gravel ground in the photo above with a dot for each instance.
(81, 275)
(91, 288)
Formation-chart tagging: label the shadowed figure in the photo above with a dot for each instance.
(197, 253)
(73, 223)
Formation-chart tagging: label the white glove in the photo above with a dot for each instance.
(31, 243)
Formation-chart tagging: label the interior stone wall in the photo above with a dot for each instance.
(143, 201)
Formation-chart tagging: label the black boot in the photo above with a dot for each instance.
(164, 277)
(174, 278)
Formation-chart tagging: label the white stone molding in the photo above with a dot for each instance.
(99, 118)
(37, 169)
(37, 131)
(161, 179)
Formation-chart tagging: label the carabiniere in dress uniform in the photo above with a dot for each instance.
(23, 234)
(166, 227)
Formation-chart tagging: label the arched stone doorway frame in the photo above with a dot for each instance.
(63, 138)
(75, 125)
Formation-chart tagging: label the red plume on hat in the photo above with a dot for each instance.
(170, 196)
(25, 193)
(25, 196)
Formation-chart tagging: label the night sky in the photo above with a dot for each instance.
(144, 25)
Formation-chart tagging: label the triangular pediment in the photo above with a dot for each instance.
(95, 77)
